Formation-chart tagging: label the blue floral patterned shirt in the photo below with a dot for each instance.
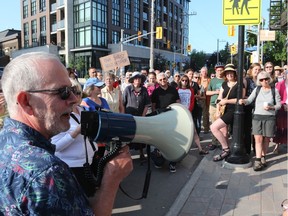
(33, 181)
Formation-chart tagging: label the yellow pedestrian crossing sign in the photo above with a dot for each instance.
(241, 12)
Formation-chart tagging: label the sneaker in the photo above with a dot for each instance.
(263, 162)
(172, 168)
(257, 166)
(157, 166)
(212, 147)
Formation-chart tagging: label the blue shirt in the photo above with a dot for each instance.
(34, 181)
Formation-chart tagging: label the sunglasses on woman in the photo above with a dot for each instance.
(266, 79)
(63, 92)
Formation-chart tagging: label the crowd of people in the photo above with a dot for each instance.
(43, 153)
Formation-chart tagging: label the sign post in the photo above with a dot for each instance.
(240, 13)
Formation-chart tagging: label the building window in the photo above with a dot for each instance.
(99, 13)
(26, 29)
(42, 5)
(115, 17)
(115, 37)
(43, 24)
(34, 26)
(82, 12)
(26, 43)
(25, 9)
(99, 36)
(33, 7)
(43, 40)
(34, 42)
(136, 25)
(127, 4)
(127, 21)
(83, 36)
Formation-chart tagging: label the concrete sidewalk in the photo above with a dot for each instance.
(213, 190)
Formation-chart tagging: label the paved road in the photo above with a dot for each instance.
(164, 186)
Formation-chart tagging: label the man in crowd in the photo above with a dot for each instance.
(161, 98)
(213, 91)
(34, 181)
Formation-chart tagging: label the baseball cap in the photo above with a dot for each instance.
(94, 81)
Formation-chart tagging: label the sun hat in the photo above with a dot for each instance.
(278, 68)
(137, 74)
(93, 81)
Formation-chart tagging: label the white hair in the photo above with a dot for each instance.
(22, 74)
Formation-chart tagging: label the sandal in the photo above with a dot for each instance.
(225, 153)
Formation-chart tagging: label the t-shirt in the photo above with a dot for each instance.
(163, 98)
(187, 98)
(214, 85)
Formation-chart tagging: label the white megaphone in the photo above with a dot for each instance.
(170, 131)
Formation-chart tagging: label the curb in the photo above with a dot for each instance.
(187, 189)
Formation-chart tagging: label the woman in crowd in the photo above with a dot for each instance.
(249, 83)
(70, 145)
(125, 81)
(93, 102)
(264, 122)
(186, 95)
(204, 82)
(136, 102)
(281, 116)
(176, 81)
(269, 68)
(152, 84)
(112, 95)
(228, 98)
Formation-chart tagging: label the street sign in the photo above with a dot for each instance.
(266, 35)
(245, 12)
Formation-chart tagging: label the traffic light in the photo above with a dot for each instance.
(159, 32)
(233, 49)
(231, 30)
(189, 48)
(139, 34)
(168, 44)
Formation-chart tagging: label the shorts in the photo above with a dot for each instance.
(265, 127)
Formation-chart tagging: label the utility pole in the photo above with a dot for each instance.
(122, 70)
(218, 41)
(152, 37)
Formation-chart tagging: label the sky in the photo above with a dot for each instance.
(207, 26)
(204, 28)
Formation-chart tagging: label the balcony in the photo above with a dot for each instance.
(61, 24)
(53, 8)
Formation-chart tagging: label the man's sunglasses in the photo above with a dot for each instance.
(63, 92)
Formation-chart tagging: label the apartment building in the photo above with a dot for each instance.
(92, 28)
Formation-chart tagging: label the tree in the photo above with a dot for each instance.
(197, 60)
(77, 63)
(160, 63)
(275, 51)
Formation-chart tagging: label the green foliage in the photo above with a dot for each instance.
(198, 59)
(160, 63)
(77, 62)
(275, 51)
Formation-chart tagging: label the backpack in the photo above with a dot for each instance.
(258, 90)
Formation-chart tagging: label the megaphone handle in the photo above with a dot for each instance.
(104, 160)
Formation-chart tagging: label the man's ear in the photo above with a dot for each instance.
(23, 100)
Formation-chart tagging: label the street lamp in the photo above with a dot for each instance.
(218, 41)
